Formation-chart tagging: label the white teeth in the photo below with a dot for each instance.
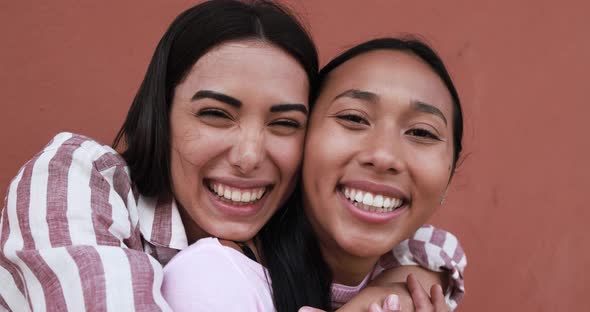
(227, 193)
(371, 202)
(359, 197)
(368, 199)
(378, 201)
(237, 195)
(245, 197)
(387, 202)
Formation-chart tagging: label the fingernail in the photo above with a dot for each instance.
(304, 309)
(392, 302)
(375, 308)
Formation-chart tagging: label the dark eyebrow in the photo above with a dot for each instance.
(289, 107)
(208, 94)
(359, 94)
(427, 108)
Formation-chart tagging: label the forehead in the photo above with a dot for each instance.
(247, 64)
(391, 74)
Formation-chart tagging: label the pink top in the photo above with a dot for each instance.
(75, 236)
(208, 276)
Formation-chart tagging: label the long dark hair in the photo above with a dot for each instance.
(294, 259)
(145, 134)
(425, 53)
(144, 138)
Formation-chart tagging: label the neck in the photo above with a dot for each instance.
(347, 269)
(192, 230)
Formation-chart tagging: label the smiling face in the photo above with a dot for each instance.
(238, 124)
(379, 152)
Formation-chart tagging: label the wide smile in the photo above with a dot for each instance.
(371, 201)
(243, 200)
(235, 195)
(372, 206)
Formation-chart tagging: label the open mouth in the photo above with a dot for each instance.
(372, 202)
(237, 196)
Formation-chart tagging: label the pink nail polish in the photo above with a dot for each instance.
(392, 302)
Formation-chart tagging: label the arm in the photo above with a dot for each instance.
(433, 250)
(385, 299)
(67, 240)
(432, 255)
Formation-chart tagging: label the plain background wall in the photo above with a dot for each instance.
(518, 202)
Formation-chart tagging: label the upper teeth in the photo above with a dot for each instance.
(371, 199)
(237, 195)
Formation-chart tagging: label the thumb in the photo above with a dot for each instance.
(392, 304)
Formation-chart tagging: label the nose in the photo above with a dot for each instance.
(383, 152)
(247, 152)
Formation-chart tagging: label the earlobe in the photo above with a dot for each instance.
(443, 197)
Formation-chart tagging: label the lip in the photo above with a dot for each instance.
(242, 210)
(376, 188)
(371, 216)
(240, 183)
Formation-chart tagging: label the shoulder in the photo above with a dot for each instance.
(212, 253)
(67, 146)
(207, 274)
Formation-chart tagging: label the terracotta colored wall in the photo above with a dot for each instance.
(518, 201)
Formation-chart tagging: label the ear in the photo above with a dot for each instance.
(443, 196)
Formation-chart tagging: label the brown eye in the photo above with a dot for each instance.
(353, 119)
(215, 117)
(213, 113)
(287, 123)
(423, 133)
(285, 126)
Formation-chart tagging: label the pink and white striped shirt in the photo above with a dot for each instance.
(75, 236)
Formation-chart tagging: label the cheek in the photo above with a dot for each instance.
(188, 156)
(431, 173)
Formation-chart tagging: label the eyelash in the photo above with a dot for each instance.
(287, 123)
(211, 112)
(423, 133)
(217, 113)
(354, 118)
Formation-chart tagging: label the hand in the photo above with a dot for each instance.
(390, 304)
(423, 303)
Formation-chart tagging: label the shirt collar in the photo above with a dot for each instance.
(160, 223)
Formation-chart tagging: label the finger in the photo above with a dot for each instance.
(419, 295)
(392, 304)
(310, 309)
(375, 308)
(438, 299)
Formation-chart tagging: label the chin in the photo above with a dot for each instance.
(365, 248)
(234, 232)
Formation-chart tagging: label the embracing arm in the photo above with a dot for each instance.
(395, 297)
(67, 238)
(432, 255)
